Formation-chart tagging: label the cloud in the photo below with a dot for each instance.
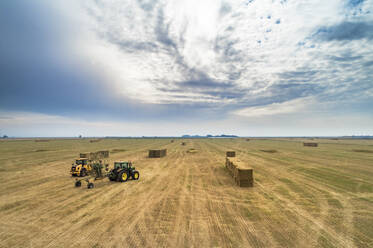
(345, 31)
(369, 63)
(345, 58)
(274, 109)
(172, 60)
(355, 3)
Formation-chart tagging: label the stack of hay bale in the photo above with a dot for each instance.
(95, 155)
(157, 153)
(242, 175)
(312, 144)
(84, 155)
(103, 154)
(231, 154)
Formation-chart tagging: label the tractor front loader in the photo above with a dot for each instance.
(83, 165)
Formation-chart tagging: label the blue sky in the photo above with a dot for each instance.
(129, 68)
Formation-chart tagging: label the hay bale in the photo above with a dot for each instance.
(244, 177)
(311, 144)
(83, 155)
(242, 174)
(183, 143)
(95, 155)
(94, 141)
(231, 154)
(231, 167)
(157, 153)
(245, 183)
(247, 139)
(103, 154)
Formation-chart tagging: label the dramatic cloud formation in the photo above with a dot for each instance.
(236, 62)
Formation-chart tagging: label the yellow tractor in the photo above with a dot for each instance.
(81, 167)
(84, 164)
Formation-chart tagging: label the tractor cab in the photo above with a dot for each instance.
(81, 161)
(122, 165)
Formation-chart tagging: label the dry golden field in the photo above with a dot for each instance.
(302, 196)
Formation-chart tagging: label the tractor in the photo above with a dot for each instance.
(123, 171)
(84, 164)
(81, 167)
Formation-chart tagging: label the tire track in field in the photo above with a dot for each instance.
(155, 196)
(268, 224)
(318, 223)
(119, 208)
(246, 230)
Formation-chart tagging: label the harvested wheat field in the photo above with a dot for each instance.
(302, 197)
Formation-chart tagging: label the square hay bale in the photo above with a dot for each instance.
(242, 174)
(157, 153)
(83, 155)
(311, 144)
(230, 166)
(244, 177)
(231, 154)
(95, 155)
(246, 183)
(103, 154)
(235, 160)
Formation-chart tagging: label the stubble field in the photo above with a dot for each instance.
(302, 196)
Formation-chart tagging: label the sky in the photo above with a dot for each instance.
(165, 68)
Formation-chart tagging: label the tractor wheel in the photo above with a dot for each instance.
(90, 185)
(78, 183)
(123, 176)
(136, 175)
